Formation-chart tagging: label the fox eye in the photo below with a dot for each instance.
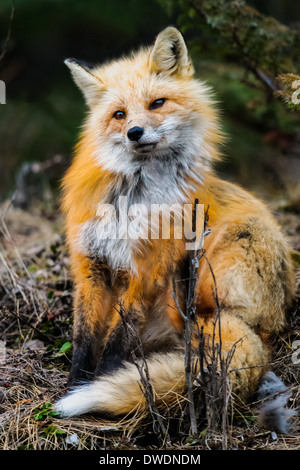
(119, 115)
(157, 103)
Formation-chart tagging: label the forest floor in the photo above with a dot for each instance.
(36, 297)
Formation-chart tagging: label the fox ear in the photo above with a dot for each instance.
(89, 84)
(169, 54)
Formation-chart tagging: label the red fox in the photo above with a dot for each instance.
(151, 137)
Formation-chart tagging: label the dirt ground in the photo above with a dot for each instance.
(36, 340)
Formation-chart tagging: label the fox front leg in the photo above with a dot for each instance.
(123, 338)
(92, 306)
(127, 324)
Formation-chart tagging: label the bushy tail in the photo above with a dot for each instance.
(121, 392)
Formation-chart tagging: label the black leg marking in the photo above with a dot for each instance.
(115, 352)
(87, 350)
(121, 342)
(83, 364)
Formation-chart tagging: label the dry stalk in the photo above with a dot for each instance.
(214, 372)
(213, 364)
(189, 317)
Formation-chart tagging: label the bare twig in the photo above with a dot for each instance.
(190, 316)
(213, 364)
(48, 339)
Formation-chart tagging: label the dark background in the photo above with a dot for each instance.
(44, 109)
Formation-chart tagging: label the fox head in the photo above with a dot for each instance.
(149, 107)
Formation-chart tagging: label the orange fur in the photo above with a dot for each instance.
(246, 249)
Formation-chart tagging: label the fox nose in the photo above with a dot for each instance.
(135, 133)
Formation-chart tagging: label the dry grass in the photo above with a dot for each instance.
(35, 304)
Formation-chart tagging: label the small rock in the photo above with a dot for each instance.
(34, 344)
(72, 439)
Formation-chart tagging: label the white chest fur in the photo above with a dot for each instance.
(126, 221)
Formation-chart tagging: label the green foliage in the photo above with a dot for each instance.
(65, 349)
(235, 31)
(46, 411)
(53, 430)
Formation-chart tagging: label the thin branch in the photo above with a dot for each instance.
(48, 339)
(268, 81)
(174, 296)
(190, 316)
